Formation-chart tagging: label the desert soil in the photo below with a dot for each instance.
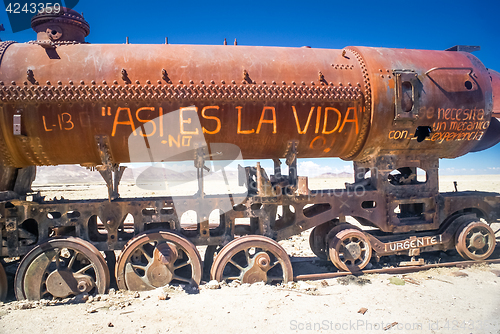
(444, 300)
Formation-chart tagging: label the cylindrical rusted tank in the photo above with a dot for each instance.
(61, 101)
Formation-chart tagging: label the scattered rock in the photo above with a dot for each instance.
(26, 305)
(81, 298)
(363, 310)
(411, 280)
(257, 284)
(137, 294)
(212, 285)
(163, 296)
(111, 324)
(92, 310)
(324, 283)
(396, 281)
(346, 280)
(235, 283)
(390, 326)
(304, 286)
(459, 274)
(496, 272)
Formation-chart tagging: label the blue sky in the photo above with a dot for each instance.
(423, 24)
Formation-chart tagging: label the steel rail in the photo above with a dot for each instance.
(397, 270)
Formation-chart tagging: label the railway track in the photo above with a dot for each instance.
(394, 270)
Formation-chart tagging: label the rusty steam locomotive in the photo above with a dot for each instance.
(390, 111)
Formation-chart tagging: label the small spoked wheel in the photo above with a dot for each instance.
(475, 240)
(154, 259)
(250, 259)
(317, 239)
(61, 268)
(350, 250)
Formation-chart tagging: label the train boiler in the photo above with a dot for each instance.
(390, 111)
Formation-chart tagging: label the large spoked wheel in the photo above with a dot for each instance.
(250, 259)
(154, 259)
(3, 284)
(350, 250)
(61, 268)
(475, 241)
(317, 240)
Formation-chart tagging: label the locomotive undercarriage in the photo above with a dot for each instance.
(60, 241)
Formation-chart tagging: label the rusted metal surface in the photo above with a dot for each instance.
(393, 112)
(495, 84)
(252, 259)
(257, 97)
(61, 268)
(154, 259)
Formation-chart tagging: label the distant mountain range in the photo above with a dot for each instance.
(74, 174)
(334, 175)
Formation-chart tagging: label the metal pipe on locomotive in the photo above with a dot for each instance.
(64, 101)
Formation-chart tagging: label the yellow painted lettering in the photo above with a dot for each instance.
(45, 125)
(186, 140)
(160, 117)
(339, 117)
(216, 119)
(268, 121)
(145, 121)
(304, 131)
(183, 121)
(353, 120)
(171, 141)
(318, 120)
(238, 130)
(130, 121)
(68, 121)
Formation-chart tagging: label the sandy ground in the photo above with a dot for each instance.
(445, 300)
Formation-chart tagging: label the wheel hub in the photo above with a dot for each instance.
(352, 251)
(257, 272)
(478, 240)
(160, 271)
(61, 284)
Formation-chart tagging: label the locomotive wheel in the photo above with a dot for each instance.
(155, 259)
(350, 250)
(61, 268)
(317, 240)
(3, 284)
(475, 241)
(250, 259)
